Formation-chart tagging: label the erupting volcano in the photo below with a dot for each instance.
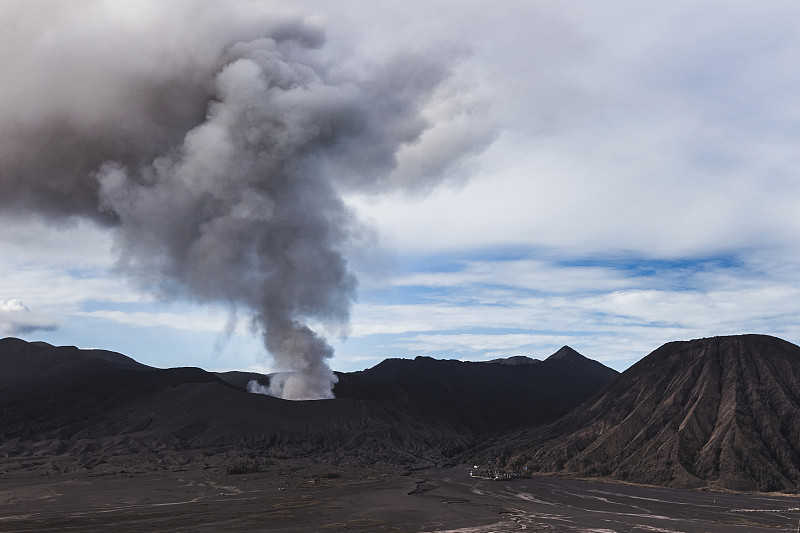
(218, 155)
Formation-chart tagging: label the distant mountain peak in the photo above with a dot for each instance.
(565, 352)
(514, 360)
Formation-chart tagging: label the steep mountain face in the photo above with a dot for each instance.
(722, 412)
(481, 397)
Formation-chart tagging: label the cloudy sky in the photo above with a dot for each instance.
(605, 175)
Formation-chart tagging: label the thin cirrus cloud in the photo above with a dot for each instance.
(614, 310)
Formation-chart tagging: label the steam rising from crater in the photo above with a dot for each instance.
(215, 139)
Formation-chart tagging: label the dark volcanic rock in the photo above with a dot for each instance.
(241, 379)
(481, 397)
(39, 364)
(92, 405)
(62, 401)
(515, 360)
(477, 398)
(722, 412)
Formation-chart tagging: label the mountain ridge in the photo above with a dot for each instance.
(480, 397)
(89, 407)
(716, 413)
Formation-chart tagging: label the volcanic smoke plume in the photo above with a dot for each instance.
(218, 150)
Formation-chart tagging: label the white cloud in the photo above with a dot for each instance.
(655, 132)
(618, 314)
(192, 319)
(648, 133)
(16, 318)
(660, 131)
(529, 274)
(471, 343)
(750, 310)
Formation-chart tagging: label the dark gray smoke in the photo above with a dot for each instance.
(217, 150)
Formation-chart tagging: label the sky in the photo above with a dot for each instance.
(605, 175)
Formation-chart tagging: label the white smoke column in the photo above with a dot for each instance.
(220, 172)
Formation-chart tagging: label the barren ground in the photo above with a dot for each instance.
(311, 497)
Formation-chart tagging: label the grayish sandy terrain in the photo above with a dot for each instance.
(304, 497)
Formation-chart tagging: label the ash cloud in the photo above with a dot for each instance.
(217, 151)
